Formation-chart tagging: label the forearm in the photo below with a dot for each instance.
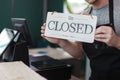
(72, 48)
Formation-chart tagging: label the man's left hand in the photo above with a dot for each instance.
(107, 35)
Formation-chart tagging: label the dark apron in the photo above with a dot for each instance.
(104, 60)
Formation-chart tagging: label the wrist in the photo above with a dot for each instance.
(62, 43)
(118, 43)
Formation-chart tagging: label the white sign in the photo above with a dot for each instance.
(71, 26)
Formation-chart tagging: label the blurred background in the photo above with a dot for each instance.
(35, 13)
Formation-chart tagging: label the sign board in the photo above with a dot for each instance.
(71, 26)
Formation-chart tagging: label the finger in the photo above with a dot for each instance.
(44, 24)
(42, 31)
(43, 35)
(99, 31)
(102, 30)
(100, 36)
(106, 32)
(100, 40)
(42, 28)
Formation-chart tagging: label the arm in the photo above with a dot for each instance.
(72, 48)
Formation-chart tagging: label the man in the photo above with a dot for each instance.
(104, 53)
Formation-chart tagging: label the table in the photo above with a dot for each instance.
(56, 53)
(17, 71)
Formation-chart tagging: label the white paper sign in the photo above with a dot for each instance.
(71, 26)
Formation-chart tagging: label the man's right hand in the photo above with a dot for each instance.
(72, 48)
(50, 39)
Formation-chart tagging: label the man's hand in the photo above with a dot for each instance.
(73, 48)
(50, 39)
(107, 35)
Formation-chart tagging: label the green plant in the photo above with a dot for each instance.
(68, 6)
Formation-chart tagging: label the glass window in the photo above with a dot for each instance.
(74, 6)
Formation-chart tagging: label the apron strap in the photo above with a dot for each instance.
(111, 14)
